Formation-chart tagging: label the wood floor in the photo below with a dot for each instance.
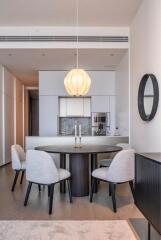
(11, 204)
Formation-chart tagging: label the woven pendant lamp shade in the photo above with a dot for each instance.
(77, 82)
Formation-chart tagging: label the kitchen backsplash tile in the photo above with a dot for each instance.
(66, 125)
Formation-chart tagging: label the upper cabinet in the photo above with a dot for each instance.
(100, 103)
(77, 107)
(74, 106)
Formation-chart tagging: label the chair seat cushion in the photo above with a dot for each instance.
(100, 173)
(105, 162)
(63, 174)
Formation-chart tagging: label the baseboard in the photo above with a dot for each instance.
(4, 165)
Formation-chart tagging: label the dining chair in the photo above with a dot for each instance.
(18, 163)
(41, 169)
(120, 171)
(107, 162)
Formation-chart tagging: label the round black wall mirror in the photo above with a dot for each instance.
(148, 97)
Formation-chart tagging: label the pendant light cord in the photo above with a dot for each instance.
(77, 13)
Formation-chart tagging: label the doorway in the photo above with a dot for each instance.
(33, 117)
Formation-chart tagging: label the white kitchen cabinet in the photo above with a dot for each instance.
(87, 107)
(62, 107)
(100, 104)
(48, 115)
(112, 114)
(75, 107)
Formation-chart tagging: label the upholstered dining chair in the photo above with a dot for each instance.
(18, 163)
(107, 162)
(120, 171)
(41, 169)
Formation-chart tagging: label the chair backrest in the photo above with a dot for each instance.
(17, 155)
(125, 146)
(40, 168)
(122, 167)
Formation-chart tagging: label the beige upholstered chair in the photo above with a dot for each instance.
(121, 170)
(107, 162)
(41, 169)
(18, 163)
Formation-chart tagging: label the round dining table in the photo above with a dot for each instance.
(82, 161)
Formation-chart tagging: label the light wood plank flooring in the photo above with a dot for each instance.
(11, 204)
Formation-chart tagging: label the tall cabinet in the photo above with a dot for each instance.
(107, 104)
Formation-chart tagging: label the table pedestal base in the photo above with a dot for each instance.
(79, 168)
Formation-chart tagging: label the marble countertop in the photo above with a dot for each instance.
(63, 136)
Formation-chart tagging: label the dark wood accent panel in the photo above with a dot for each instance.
(79, 168)
(148, 189)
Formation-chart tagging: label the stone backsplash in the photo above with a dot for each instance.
(67, 124)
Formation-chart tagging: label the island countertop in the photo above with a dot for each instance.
(32, 142)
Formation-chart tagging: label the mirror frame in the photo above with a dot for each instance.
(142, 86)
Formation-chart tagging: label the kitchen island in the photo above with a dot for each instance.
(32, 142)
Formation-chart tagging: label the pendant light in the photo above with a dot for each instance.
(77, 81)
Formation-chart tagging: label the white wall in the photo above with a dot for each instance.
(122, 95)
(19, 111)
(145, 58)
(51, 85)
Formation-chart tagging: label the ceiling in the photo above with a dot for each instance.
(63, 13)
(25, 64)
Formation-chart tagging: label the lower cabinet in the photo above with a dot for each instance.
(148, 188)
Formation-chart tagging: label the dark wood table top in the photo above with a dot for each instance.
(85, 149)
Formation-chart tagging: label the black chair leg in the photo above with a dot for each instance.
(69, 189)
(39, 187)
(113, 191)
(132, 187)
(51, 198)
(149, 231)
(49, 190)
(109, 189)
(92, 189)
(28, 193)
(15, 181)
(22, 176)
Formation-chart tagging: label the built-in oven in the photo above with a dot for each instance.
(100, 123)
